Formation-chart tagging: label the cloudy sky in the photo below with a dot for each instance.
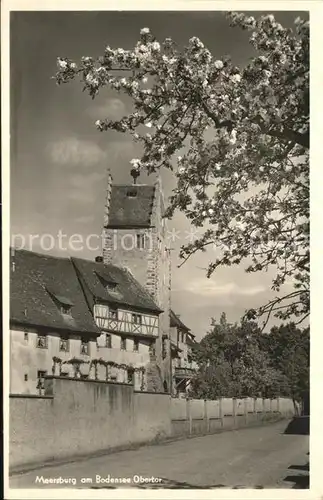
(59, 159)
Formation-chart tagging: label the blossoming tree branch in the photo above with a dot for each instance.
(237, 140)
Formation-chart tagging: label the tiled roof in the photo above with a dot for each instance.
(35, 280)
(39, 280)
(175, 321)
(131, 211)
(127, 292)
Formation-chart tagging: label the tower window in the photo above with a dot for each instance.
(140, 241)
(123, 344)
(26, 377)
(132, 193)
(136, 345)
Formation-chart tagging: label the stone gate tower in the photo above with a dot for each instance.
(135, 237)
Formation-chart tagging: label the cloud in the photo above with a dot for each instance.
(210, 288)
(111, 108)
(84, 186)
(76, 152)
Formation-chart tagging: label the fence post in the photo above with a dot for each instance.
(206, 417)
(263, 408)
(189, 415)
(278, 405)
(221, 412)
(245, 403)
(255, 407)
(234, 411)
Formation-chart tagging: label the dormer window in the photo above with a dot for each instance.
(63, 303)
(108, 283)
(66, 309)
(110, 286)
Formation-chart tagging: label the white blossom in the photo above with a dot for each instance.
(155, 46)
(98, 123)
(236, 175)
(236, 78)
(145, 79)
(218, 64)
(181, 170)
(73, 65)
(144, 31)
(204, 213)
(149, 124)
(135, 162)
(233, 137)
(61, 63)
(179, 158)
(211, 211)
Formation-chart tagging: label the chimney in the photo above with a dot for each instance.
(99, 258)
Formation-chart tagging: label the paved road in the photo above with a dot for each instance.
(260, 457)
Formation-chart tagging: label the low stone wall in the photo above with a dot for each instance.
(79, 417)
(198, 417)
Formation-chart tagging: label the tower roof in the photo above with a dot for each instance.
(131, 205)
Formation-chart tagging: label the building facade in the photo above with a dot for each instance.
(108, 319)
(78, 318)
(135, 238)
(183, 364)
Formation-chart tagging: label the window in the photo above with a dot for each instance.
(130, 374)
(41, 341)
(41, 379)
(26, 377)
(85, 346)
(113, 313)
(140, 241)
(64, 344)
(132, 193)
(123, 344)
(165, 386)
(66, 309)
(113, 378)
(26, 335)
(152, 349)
(110, 286)
(135, 345)
(108, 342)
(136, 319)
(64, 374)
(164, 351)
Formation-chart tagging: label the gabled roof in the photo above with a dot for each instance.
(40, 282)
(175, 321)
(131, 211)
(36, 280)
(128, 291)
